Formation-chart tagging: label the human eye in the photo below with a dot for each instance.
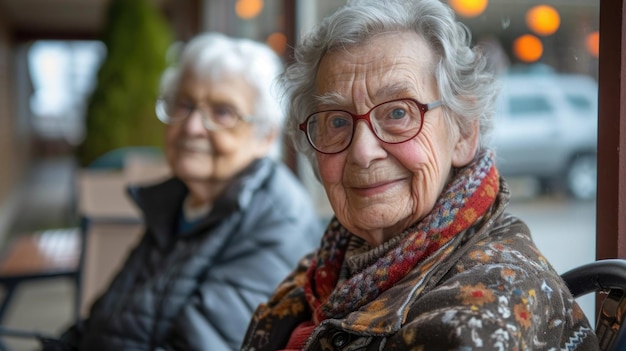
(393, 111)
(181, 103)
(330, 129)
(338, 121)
(223, 113)
(179, 108)
(223, 110)
(397, 117)
(398, 113)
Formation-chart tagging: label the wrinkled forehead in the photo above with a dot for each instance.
(391, 65)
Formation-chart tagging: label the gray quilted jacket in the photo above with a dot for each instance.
(197, 291)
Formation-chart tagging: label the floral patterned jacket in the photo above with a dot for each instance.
(488, 289)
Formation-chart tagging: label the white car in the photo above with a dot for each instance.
(546, 127)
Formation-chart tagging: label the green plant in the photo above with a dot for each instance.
(120, 111)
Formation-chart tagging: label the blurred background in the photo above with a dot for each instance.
(78, 80)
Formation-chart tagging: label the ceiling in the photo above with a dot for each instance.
(35, 19)
(54, 19)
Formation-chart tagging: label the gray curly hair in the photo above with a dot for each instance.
(466, 83)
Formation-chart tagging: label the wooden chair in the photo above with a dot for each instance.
(110, 225)
(47, 254)
(54, 253)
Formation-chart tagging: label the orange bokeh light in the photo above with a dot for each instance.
(278, 42)
(468, 8)
(247, 9)
(543, 19)
(528, 48)
(593, 43)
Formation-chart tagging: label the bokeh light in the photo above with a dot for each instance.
(248, 9)
(468, 8)
(528, 48)
(278, 42)
(592, 41)
(543, 20)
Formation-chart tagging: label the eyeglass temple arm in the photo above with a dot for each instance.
(433, 104)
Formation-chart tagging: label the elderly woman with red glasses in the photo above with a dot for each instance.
(392, 107)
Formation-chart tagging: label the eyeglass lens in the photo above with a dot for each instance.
(392, 122)
(213, 116)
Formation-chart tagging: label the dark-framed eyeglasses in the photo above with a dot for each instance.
(393, 122)
(214, 117)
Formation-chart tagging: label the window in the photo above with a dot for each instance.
(63, 75)
(529, 106)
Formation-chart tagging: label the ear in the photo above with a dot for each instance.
(265, 144)
(466, 146)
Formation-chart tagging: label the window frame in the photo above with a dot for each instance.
(611, 194)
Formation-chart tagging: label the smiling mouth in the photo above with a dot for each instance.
(194, 147)
(375, 188)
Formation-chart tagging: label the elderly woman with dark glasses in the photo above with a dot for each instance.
(229, 225)
(392, 106)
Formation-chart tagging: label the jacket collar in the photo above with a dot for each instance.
(161, 203)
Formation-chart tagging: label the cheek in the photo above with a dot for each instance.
(426, 162)
(331, 173)
(432, 150)
(235, 151)
(221, 143)
(414, 156)
(227, 145)
(237, 141)
(331, 168)
(170, 140)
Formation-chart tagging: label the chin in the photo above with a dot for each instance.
(193, 173)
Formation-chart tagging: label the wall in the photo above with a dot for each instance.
(14, 148)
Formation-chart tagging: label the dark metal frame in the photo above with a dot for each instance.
(608, 277)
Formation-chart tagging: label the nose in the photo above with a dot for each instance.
(193, 124)
(365, 146)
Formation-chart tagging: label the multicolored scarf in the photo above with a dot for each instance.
(462, 203)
